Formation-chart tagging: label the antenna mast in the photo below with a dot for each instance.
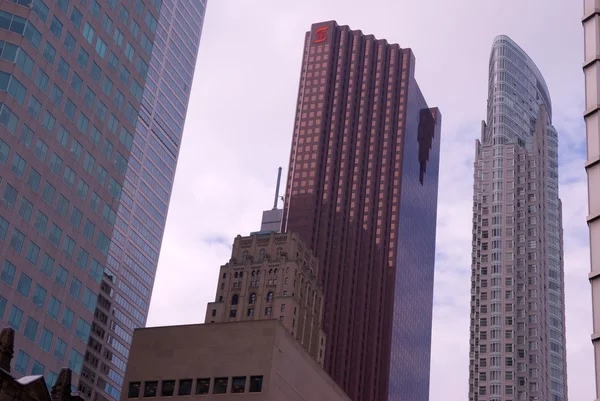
(277, 189)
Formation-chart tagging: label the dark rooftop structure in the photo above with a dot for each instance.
(30, 388)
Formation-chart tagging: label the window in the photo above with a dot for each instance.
(69, 177)
(101, 110)
(101, 174)
(16, 241)
(124, 75)
(69, 246)
(56, 27)
(103, 243)
(118, 37)
(88, 229)
(49, 121)
(3, 228)
(75, 361)
(220, 385)
(82, 258)
(89, 299)
(31, 328)
(49, 53)
(88, 33)
(39, 296)
(268, 311)
(63, 68)
(95, 136)
(7, 274)
(60, 349)
(238, 384)
(234, 299)
(55, 235)
(45, 339)
(270, 296)
(256, 384)
(82, 330)
(134, 390)
(76, 83)
(252, 299)
(26, 136)
(41, 150)
(129, 52)
(113, 62)
(41, 221)
(34, 107)
(107, 23)
(75, 288)
(150, 389)
(32, 253)
(167, 388)
(69, 42)
(101, 47)
(76, 217)
(82, 189)
(18, 165)
(83, 58)
(48, 193)
(61, 276)
(24, 285)
(67, 318)
(53, 308)
(88, 163)
(69, 109)
(62, 206)
(232, 313)
(41, 80)
(37, 368)
(134, 28)
(202, 386)
(4, 151)
(14, 318)
(76, 17)
(40, 9)
(22, 362)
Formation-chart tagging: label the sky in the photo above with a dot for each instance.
(239, 129)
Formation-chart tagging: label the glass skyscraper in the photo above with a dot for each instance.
(517, 341)
(591, 66)
(93, 98)
(362, 194)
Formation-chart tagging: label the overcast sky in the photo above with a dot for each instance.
(239, 130)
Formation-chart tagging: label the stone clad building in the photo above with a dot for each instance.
(255, 360)
(30, 388)
(272, 276)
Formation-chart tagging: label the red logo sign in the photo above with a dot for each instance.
(321, 34)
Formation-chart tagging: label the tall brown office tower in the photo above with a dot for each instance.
(362, 193)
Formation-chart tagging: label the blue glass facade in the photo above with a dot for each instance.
(413, 292)
(72, 75)
(142, 211)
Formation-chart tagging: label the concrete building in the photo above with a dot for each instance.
(591, 68)
(30, 388)
(272, 276)
(517, 336)
(251, 360)
(93, 98)
(362, 194)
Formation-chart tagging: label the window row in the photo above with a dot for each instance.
(220, 385)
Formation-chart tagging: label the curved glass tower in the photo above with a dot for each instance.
(517, 342)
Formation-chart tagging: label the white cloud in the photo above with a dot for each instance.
(239, 129)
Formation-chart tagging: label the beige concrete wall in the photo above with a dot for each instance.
(227, 350)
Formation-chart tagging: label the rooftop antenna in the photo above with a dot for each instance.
(277, 197)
